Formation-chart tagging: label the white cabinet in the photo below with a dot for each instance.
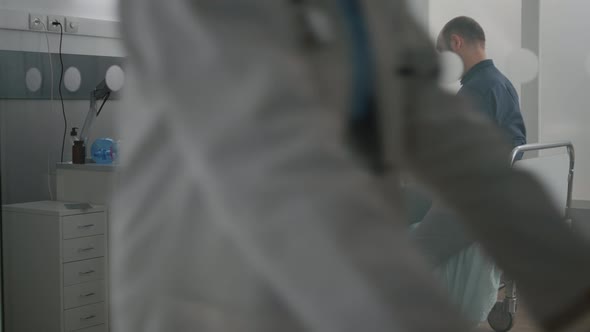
(73, 182)
(55, 268)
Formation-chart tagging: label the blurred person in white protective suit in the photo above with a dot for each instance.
(243, 206)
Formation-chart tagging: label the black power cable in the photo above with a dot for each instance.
(103, 102)
(61, 97)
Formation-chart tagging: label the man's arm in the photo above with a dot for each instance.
(482, 101)
(501, 106)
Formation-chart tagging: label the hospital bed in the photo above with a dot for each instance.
(556, 172)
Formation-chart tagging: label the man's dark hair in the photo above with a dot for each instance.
(465, 27)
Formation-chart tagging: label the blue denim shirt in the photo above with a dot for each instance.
(493, 94)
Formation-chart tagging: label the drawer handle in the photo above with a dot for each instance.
(85, 226)
(87, 295)
(86, 272)
(88, 317)
(85, 249)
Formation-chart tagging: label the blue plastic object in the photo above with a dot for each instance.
(362, 64)
(104, 151)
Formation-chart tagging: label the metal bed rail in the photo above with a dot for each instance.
(501, 319)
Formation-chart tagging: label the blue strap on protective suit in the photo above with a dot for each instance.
(362, 59)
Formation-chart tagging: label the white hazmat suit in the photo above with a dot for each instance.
(241, 209)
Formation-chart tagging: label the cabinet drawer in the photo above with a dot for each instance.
(84, 294)
(86, 316)
(83, 225)
(83, 248)
(83, 271)
(97, 328)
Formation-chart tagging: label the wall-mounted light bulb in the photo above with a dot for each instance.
(451, 67)
(72, 79)
(522, 66)
(115, 78)
(33, 79)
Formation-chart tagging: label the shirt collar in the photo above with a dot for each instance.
(476, 69)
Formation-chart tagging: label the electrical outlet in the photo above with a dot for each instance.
(55, 28)
(37, 22)
(72, 25)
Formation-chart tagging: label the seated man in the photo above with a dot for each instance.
(470, 277)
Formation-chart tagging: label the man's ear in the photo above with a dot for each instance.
(456, 42)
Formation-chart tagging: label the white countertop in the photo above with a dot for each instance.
(88, 167)
(577, 204)
(54, 208)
